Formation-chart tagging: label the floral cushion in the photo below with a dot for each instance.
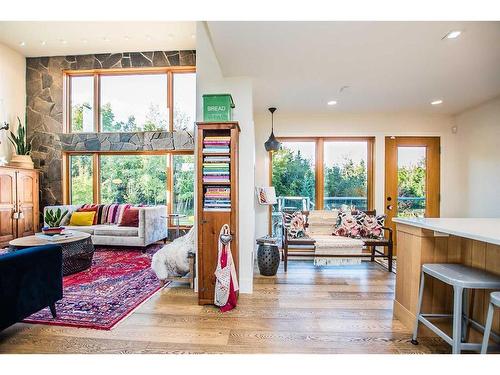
(295, 224)
(372, 226)
(348, 224)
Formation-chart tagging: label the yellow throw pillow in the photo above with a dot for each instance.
(82, 218)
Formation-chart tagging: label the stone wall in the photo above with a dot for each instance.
(44, 113)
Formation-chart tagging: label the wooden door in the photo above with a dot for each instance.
(412, 178)
(7, 205)
(27, 201)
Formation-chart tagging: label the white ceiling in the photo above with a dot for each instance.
(388, 66)
(78, 38)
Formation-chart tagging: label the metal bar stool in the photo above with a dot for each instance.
(461, 278)
(494, 302)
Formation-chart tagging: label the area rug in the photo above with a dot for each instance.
(119, 280)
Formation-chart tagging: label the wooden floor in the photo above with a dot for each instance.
(308, 310)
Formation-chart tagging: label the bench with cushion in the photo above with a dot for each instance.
(315, 237)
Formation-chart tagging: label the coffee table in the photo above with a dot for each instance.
(77, 250)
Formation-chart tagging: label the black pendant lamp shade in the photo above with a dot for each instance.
(272, 144)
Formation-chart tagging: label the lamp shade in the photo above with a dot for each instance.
(272, 144)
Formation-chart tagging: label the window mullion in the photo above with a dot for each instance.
(320, 181)
(170, 100)
(96, 178)
(97, 100)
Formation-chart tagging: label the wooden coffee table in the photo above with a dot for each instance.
(77, 250)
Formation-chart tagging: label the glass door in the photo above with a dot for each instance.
(412, 178)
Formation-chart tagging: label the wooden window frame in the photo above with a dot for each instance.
(319, 167)
(96, 165)
(98, 73)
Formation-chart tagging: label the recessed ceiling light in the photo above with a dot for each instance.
(22, 44)
(332, 102)
(148, 37)
(452, 34)
(437, 102)
(63, 41)
(84, 41)
(126, 37)
(43, 42)
(193, 36)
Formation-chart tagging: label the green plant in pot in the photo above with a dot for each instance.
(53, 218)
(22, 158)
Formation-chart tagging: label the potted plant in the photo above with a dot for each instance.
(53, 220)
(22, 158)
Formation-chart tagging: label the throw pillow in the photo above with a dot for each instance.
(372, 226)
(349, 224)
(82, 218)
(295, 224)
(130, 218)
(89, 208)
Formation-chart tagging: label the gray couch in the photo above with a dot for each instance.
(152, 228)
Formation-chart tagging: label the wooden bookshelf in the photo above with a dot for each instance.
(211, 222)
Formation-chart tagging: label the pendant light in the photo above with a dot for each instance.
(272, 144)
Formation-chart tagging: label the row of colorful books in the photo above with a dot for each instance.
(214, 145)
(216, 169)
(217, 198)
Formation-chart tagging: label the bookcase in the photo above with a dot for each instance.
(217, 198)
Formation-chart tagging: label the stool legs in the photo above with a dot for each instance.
(457, 319)
(487, 329)
(419, 308)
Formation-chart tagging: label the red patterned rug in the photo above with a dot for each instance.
(100, 297)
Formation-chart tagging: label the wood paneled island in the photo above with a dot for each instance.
(473, 242)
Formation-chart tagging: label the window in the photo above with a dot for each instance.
(82, 104)
(134, 179)
(184, 101)
(81, 179)
(132, 103)
(411, 181)
(321, 173)
(183, 191)
(131, 100)
(345, 174)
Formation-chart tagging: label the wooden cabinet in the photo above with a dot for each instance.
(19, 205)
(211, 220)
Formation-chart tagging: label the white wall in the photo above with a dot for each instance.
(12, 93)
(210, 81)
(368, 124)
(478, 131)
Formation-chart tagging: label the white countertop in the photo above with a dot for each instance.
(480, 229)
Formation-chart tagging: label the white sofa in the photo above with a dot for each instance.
(152, 228)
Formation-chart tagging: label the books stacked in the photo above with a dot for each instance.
(216, 169)
(216, 145)
(217, 198)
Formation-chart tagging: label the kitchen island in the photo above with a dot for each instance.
(469, 241)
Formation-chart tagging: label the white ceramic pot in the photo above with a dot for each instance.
(21, 161)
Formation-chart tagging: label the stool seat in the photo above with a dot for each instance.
(462, 276)
(495, 298)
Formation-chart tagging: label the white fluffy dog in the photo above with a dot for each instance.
(172, 259)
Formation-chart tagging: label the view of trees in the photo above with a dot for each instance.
(183, 191)
(411, 189)
(81, 179)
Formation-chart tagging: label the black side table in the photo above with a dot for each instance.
(268, 256)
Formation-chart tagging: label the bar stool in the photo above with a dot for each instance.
(494, 302)
(461, 278)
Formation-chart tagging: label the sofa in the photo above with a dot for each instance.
(30, 280)
(152, 227)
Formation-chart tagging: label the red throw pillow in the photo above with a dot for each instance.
(130, 218)
(90, 209)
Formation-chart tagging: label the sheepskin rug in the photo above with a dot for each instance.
(172, 259)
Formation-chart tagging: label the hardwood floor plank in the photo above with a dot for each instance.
(307, 310)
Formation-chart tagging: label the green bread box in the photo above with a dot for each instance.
(218, 107)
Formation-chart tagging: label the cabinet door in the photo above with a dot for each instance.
(7, 206)
(211, 225)
(27, 200)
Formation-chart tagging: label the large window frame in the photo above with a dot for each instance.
(320, 168)
(97, 74)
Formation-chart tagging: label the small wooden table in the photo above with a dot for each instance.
(78, 250)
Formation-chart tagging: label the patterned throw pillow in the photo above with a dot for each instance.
(372, 226)
(295, 224)
(349, 224)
